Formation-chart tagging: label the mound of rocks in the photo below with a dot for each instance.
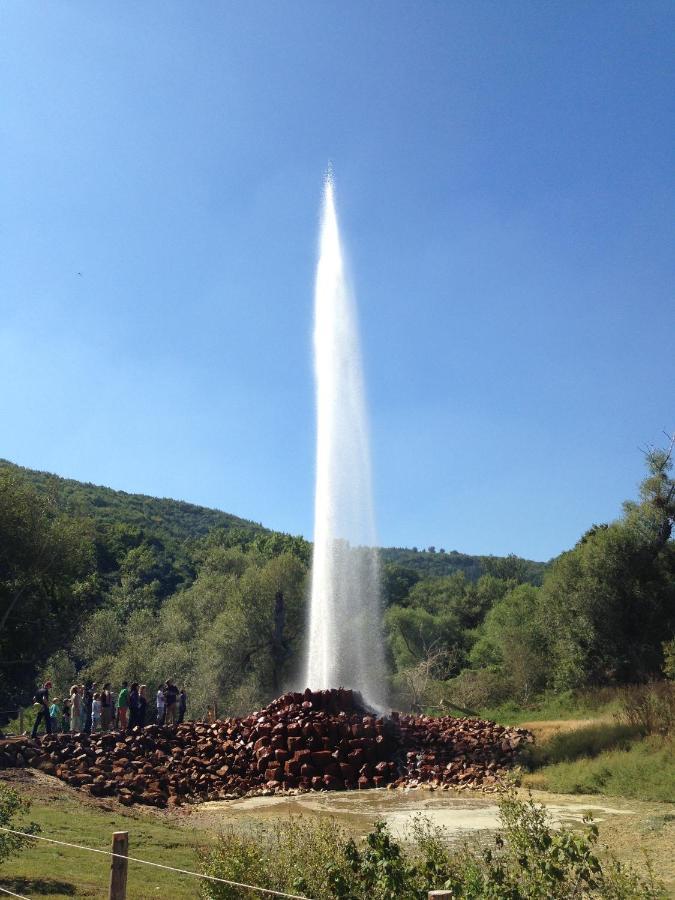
(325, 740)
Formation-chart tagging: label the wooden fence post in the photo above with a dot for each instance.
(440, 895)
(21, 720)
(118, 866)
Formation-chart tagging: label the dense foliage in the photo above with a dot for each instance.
(529, 859)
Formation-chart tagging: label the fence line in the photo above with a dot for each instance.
(147, 862)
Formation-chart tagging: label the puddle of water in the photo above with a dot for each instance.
(458, 813)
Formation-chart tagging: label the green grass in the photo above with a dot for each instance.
(60, 872)
(637, 769)
(566, 705)
(589, 741)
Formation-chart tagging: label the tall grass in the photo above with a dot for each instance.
(643, 770)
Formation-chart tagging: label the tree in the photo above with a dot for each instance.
(513, 639)
(46, 581)
(610, 601)
(397, 582)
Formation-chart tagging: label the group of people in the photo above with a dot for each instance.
(88, 709)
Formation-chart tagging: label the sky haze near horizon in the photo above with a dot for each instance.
(504, 186)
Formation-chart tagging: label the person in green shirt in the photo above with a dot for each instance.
(54, 713)
(123, 706)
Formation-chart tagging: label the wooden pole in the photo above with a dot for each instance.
(21, 720)
(440, 895)
(118, 866)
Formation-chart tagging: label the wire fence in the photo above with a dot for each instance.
(12, 894)
(147, 862)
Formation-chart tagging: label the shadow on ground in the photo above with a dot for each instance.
(42, 887)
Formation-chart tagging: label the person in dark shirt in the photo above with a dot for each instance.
(41, 699)
(182, 705)
(87, 700)
(171, 695)
(142, 705)
(133, 704)
(107, 707)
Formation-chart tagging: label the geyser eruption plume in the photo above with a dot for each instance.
(345, 636)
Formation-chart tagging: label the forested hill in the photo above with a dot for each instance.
(178, 521)
(167, 518)
(103, 585)
(432, 563)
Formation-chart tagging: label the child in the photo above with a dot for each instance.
(54, 713)
(96, 712)
(65, 716)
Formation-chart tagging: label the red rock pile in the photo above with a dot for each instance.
(321, 740)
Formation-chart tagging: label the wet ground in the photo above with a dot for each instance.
(458, 813)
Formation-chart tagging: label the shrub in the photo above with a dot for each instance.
(529, 860)
(650, 707)
(11, 805)
(669, 659)
(479, 688)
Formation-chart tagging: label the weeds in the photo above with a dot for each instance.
(650, 708)
(529, 859)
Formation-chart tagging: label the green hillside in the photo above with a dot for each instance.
(178, 521)
(170, 518)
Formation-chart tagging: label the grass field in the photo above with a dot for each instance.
(584, 746)
(60, 872)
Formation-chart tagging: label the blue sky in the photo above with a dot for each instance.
(504, 182)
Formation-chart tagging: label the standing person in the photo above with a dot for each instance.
(96, 710)
(65, 716)
(75, 708)
(171, 695)
(161, 705)
(182, 705)
(123, 705)
(41, 699)
(133, 705)
(83, 710)
(106, 707)
(142, 705)
(55, 713)
(89, 689)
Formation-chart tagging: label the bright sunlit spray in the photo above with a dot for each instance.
(345, 636)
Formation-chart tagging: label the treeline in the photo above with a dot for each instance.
(105, 585)
(604, 614)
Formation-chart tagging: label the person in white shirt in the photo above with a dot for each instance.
(161, 706)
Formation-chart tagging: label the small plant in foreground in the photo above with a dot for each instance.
(11, 805)
(529, 860)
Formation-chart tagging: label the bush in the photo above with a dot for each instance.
(475, 689)
(650, 708)
(11, 805)
(529, 860)
(669, 659)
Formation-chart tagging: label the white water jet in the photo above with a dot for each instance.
(345, 630)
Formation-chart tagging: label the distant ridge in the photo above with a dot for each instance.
(181, 521)
(177, 518)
